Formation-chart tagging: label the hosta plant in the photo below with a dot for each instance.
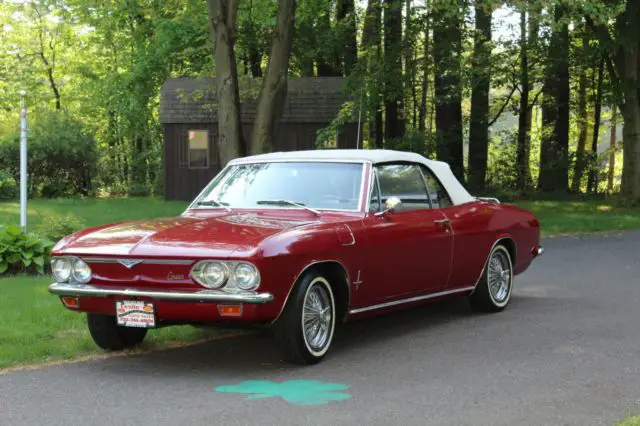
(22, 252)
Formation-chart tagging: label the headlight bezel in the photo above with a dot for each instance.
(74, 264)
(75, 274)
(255, 280)
(223, 269)
(69, 271)
(230, 283)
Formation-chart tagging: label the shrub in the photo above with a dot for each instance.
(8, 186)
(55, 228)
(138, 190)
(22, 252)
(62, 156)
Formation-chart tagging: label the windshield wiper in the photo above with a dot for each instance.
(212, 202)
(289, 203)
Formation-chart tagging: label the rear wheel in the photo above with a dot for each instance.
(305, 329)
(111, 337)
(493, 292)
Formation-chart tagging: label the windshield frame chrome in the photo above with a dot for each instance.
(193, 206)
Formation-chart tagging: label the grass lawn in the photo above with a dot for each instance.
(93, 212)
(631, 421)
(36, 328)
(571, 217)
(556, 217)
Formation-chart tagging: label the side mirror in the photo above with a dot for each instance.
(392, 205)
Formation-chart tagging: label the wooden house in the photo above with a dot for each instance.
(188, 116)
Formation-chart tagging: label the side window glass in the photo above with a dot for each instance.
(438, 195)
(405, 182)
(374, 202)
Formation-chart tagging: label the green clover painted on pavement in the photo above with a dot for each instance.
(297, 392)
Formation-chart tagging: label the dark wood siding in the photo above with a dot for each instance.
(183, 183)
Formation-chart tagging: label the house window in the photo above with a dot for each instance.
(198, 149)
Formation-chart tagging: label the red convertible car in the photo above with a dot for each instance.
(299, 241)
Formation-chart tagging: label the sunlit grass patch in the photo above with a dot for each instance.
(571, 217)
(36, 328)
(631, 421)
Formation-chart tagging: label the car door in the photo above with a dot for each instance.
(469, 223)
(408, 251)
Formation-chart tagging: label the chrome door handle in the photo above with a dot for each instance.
(442, 221)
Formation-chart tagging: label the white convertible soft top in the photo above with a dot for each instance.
(457, 192)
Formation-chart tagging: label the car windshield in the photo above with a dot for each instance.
(311, 185)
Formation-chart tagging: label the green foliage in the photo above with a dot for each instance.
(8, 186)
(61, 156)
(501, 165)
(415, 141)
(22, 252)
(56, 227)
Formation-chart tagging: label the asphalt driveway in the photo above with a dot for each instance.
(565, 352)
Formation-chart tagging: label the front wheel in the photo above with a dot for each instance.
(108, 335)
(305, 329)
(493, 292)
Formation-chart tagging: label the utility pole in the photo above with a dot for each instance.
(23, 160)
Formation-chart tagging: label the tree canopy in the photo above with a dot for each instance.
(516, 95)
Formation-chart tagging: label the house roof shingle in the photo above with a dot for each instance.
(309, 100)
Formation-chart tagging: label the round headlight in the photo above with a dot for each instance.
(214, 274)
(81, 271)
(246, 276)
(61, 268)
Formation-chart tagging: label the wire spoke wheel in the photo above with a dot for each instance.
(493, 290)
(317, 317)
(499, 277)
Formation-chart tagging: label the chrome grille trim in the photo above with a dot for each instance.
(146, 261)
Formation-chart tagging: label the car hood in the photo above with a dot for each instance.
(191, 237)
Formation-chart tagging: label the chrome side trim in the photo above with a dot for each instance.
(489, 199)
(194, 296)
(147, 261)
(409, 300)
(353, 237)
(348, 283)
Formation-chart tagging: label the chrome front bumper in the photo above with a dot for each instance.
(179, 296)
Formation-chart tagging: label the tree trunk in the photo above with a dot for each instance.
(447, 48)
(409, 66)
(222, 20)
(624, 72)
(522, 148)
(422, 115)
(523, 154)
(346, 17)
(52, 81)
(325, 58)
(592, 182)
(254, 55)
(628, 64)
(612, 149)
(631, 146)
(480, 83)
(274, 85)
(371, 45)
(582, 123)
(554, 150)
(393, 94)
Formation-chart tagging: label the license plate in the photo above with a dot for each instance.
(135, 313)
